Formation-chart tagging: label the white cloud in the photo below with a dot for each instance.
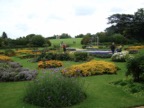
(49, 17)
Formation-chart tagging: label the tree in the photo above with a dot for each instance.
(1, 40)
(21, 41)
(118, 38)
(38, 40)
(48, 42)
(29, 37)
(4, 35)
(79, 36)
(130, 26)
(53, 37)
(86, 39)
(65, 35)
(119, 22)
(138, 25)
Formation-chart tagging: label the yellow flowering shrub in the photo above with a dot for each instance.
(24, 51)
(90, 68)
(5, 58)
(49, 64)
(135, 47)
(27, 53)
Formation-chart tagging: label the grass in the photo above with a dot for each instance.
(68, 41)
(100, 93)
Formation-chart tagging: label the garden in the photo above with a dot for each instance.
(50, 78)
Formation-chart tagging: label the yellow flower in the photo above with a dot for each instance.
(135, 47)
(5, 58)
(49, 64)
(90, 68)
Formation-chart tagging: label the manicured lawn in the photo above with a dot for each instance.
(100, 93)
(68, 41)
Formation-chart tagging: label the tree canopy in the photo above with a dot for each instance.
(131, 26)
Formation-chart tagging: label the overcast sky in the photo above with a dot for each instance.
(48, 17)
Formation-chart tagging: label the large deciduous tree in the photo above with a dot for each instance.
(119, 23)
(131, 26)
(138, 24)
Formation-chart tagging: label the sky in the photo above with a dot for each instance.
(19, 18)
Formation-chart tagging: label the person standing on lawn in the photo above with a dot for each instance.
(112, 47)
(64, 47)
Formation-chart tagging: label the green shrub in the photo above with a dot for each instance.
(50, 56)
(55, 91)
(102, 55)
(63, 56)
(84, 46)
(53, 56)
(40, 57)
(9, 52)
(133, 51)
(25, 56)
(135, 67)
(134, 88)
(81, 56)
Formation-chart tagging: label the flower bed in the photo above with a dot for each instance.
(102, 55)
(135, 47)
(90, 68)
(98, 53)
(5, 58)
(49, 64)
(24, 51)
(12, 71)
(25, 56)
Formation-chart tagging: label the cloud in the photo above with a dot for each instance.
(54, 17)
(116, 10)
(22, 27)
(49, 17)
(84, 11)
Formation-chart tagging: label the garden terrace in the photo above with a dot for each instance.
(99, 90)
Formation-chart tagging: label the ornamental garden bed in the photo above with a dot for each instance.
(100, 92)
